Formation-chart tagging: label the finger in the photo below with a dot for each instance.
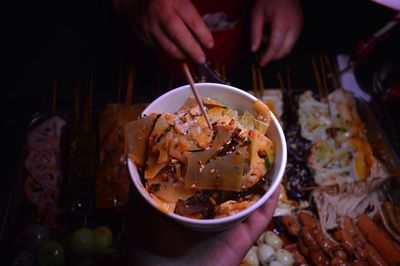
(257, 25)
(276, 41)
(251, 229)
(290, 40)
(259, 220)
(180, 34)
(165, 43)
(194, 21)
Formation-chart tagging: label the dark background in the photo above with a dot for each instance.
(67, 40)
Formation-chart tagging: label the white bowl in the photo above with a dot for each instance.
(240, 101)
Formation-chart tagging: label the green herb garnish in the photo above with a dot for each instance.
(267, 162)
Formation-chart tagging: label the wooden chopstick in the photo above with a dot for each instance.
(196, 95)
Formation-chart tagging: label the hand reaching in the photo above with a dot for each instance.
(174, 26)
(286, 20)
(173, 244)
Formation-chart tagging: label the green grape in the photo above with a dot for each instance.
(81, 243)
(51, 253)
(102, 239)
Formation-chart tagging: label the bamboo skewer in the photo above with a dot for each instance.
(131, 80)
(254, 80)
(77, 102)
(289, 78)
(119, 84)
(316, 74)
(257, 80)
(323, 91)
(171, 81)
(90, 96)
(196, 95)
(53, 95)
(261, 82)
(324, 88)
(334, 74)
(280, 81)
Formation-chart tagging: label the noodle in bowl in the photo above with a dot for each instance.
(240, 101)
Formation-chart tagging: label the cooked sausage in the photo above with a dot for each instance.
(306, 234)
(340, 254)
(318, 257)
(378, 240)
(388, 228)
(347, 241)
(298, 257)
(358, 263)
(373, 256)
(389, 211)
(324, 242)
(336, 261)
(291, 224)
(307, 219)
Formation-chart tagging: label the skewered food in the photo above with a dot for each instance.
(112, 177)
(42, 186)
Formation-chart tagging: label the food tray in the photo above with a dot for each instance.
(299, 180)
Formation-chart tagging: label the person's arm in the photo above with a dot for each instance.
(221, 249)
(175, 26)
(286, 20)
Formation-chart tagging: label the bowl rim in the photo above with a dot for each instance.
(241, 214)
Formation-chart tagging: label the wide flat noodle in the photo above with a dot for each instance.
(222, 173)
(136, 138)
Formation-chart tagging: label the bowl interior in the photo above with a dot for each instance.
(238, 100)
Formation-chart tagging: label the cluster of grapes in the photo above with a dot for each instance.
(85, 246)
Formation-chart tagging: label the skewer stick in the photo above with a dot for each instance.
(171, 81)
(289, 78)
(131, 81)
(323, 90)
(324, 78)
(260, 81)
(77, 101)
(254, 80)
(53, 95)
(223, 72)
(280, 80)
(332, 71)
(196, 95)
(90, 99)
(316, 74)
(119, 84)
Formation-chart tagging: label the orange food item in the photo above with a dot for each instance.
(378, 240)
(291, 224)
